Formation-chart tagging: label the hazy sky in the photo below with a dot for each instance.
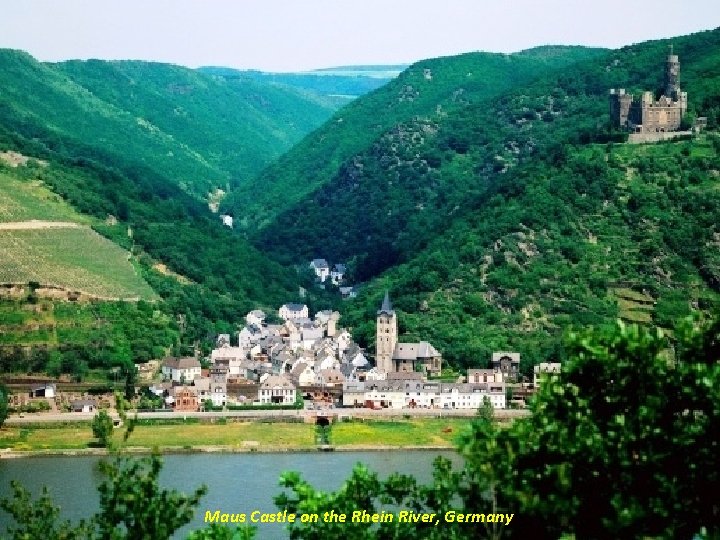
(286, 35)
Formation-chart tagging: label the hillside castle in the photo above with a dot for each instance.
(649, 115)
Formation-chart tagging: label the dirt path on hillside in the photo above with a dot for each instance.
(38, 224)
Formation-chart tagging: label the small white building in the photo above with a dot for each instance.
(181, 369)
(289, 312)
(385, 395)
(255, 318)
(227, 220)
(353, 394)
(321, 269)
(277, 390)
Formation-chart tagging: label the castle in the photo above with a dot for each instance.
(650, 115)
(391, 356)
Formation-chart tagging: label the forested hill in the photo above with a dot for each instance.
(194, 130)
(522, 218)
(139, 183)
(428, 89)
(387, 202)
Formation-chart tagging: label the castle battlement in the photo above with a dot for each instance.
(650, 115)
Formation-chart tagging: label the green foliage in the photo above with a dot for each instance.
(427, 89)
(223, 532)
(38, 518)
(573, 243)
(71, 338)
(133, 506)
(621, 445)
(102, 427)
(195, 130)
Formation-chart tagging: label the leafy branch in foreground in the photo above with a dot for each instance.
(622, 445)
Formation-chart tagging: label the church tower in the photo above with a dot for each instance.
(386, 336)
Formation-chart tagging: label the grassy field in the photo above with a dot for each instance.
(244, 435)
(77, 259)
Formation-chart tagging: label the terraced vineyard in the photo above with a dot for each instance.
(43, 239)
(77, 259)
(23, 200)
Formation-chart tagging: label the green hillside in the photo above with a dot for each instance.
(387, 202)
(190, 129)
(44, 240)
(76, 259)
(504, 222)
(605, 232)
(428, 89)
(236, 126)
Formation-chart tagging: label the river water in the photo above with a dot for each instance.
(237, 483)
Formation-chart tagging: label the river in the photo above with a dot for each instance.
(236, 482)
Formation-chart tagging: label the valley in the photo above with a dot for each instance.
(525, 266)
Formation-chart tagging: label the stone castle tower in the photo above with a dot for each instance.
(672, 76)
(648, 115)
(386, 337)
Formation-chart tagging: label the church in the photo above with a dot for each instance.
(391, 356)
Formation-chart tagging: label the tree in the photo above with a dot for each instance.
(39, 518)
(623, 444)
(4, 396)
(132, 505)
(102, 426)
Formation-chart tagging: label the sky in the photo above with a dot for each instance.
(298, 35)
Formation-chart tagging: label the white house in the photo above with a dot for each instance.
(385, 394)
(276, 389)
(353, 394)
(83, 405)
(46, 390)
(293, 311)
(227, 353)
(416, 393)
(181, 369)
(218, 393)
(303, 374)
(321, 269)
(251, 334)
(227, 220)
(255, 318)
(375, 374)
(472, 396)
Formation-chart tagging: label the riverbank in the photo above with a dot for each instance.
(238, 437)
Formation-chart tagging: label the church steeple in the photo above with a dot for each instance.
(386, 306)
(385, 336)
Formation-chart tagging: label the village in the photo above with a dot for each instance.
(312, 364)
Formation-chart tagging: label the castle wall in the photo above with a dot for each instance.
(651, 137)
